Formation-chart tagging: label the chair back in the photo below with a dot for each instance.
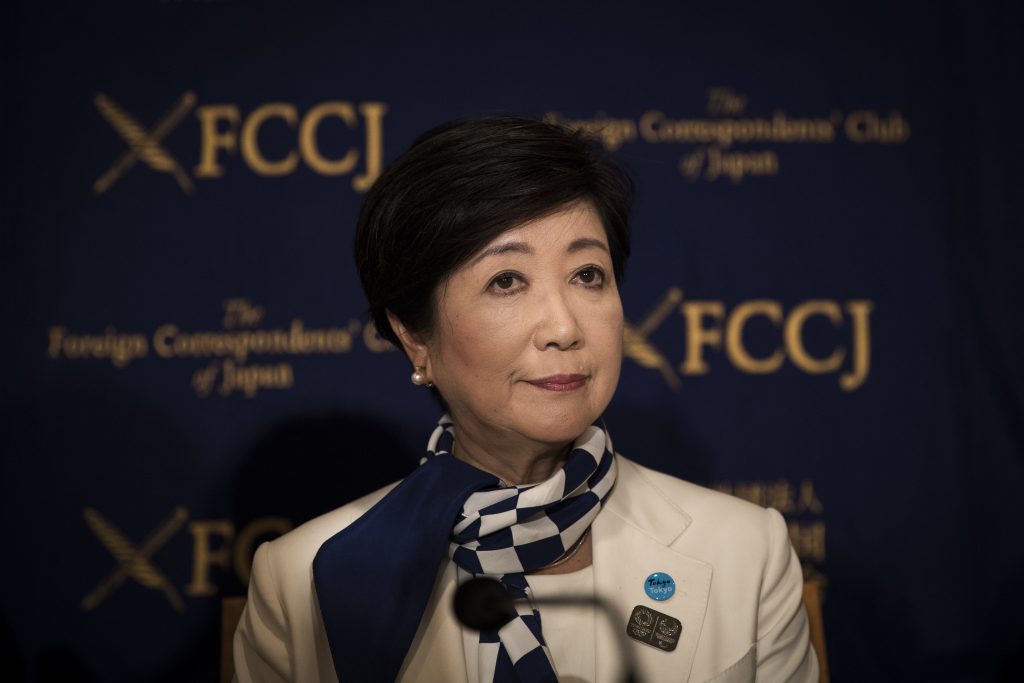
(812, 601)
(230, 612)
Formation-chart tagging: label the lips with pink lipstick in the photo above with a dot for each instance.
(559, 382)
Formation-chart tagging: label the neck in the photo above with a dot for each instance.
(512, 463)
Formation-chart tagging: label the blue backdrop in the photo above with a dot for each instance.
(823, 300)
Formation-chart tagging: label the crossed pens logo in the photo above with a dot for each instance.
(638, 347)
(352, 142)
(133, 562)
(144, 145)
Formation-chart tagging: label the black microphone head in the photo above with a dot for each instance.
(483, 604)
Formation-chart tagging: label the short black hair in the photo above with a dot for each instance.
(458, 187)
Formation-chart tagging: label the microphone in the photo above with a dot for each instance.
(484, 604)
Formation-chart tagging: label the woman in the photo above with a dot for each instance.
(491, 252)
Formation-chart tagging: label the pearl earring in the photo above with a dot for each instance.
(418, 378)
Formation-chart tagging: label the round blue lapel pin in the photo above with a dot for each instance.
(660, 586)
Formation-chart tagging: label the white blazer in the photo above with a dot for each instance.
(738, 593)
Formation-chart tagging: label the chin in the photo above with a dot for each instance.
(558, 427)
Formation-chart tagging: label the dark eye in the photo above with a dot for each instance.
(591, 276)
(507, 284)
(505, 281)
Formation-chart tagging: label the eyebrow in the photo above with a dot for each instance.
(586, 243)
(524, 248)
(508, 247)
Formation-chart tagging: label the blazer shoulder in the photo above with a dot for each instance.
(712, 516)
(298, 547)
(279, 636)
(693, 498)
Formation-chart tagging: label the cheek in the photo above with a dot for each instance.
(613, 325)
(478, 346)
(605, 337)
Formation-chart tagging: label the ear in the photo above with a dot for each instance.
(416, 349)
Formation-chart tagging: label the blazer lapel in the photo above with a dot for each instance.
(631, 540)
(437, 653)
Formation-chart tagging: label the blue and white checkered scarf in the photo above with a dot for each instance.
(507, 531)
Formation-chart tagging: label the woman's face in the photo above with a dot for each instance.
(527, 342)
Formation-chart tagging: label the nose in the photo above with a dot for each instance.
(557, 324)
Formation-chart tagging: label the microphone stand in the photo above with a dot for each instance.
(483, 604)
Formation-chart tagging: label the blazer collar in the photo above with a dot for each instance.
(641, 504)
(632, 538)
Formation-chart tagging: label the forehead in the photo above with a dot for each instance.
(558, 230)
